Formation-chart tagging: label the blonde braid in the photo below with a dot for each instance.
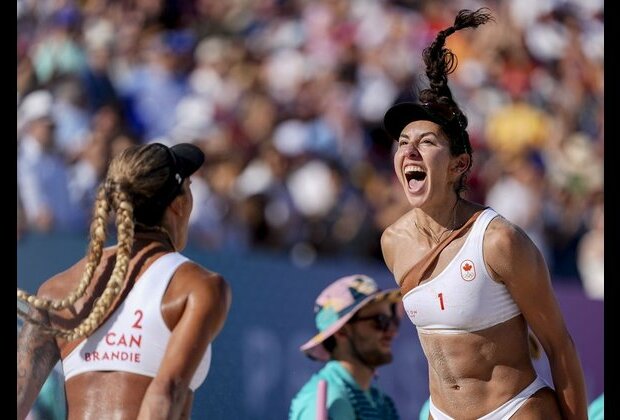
(125, 229)
(95, 251)
(135, 179)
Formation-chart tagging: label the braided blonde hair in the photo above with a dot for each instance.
(134, 179)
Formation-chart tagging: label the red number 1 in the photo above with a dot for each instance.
(440, 296)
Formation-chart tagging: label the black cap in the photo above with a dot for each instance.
(400, 115)
(187, 159)
(183, 160)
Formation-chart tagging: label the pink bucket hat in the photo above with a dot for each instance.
(337, 303)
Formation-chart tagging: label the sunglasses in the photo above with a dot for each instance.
(381, 322)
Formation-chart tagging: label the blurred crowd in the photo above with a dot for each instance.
(286, 97)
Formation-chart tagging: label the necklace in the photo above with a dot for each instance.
(429, 233)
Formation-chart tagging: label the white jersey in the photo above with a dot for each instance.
(134, 338)
(463, 297)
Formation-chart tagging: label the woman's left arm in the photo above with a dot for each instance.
(37, 353)
(517, 262)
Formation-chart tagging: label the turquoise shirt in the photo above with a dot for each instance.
(596, 408)
(425, 411)
(345, 399)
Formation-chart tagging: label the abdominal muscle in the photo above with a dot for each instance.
(473, 373)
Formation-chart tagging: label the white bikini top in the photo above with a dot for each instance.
(463, 297)
(134, 338)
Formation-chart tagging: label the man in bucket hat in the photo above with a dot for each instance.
(356, 323)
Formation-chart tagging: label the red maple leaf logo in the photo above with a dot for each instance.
(467, 267)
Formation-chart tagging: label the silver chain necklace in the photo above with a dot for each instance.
(429, 233)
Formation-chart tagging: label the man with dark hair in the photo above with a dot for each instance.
(357, 323)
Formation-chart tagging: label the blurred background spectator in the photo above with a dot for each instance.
(286, 98)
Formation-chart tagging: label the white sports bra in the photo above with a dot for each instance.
(463, 297)
(134, 338)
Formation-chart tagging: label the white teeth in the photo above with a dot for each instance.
(413, 168)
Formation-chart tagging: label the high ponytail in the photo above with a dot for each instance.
(440, 61)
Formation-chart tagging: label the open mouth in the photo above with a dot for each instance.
(415, 177)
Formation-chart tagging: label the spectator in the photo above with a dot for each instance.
(42, 175)
(596, 409)
(235, 77)
(356, 323)
(591, 254)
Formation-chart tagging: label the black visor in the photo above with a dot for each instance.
(188, 158)
(400, 115)
(185, 159)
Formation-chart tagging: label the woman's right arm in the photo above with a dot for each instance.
(37, 353)
(205, 310)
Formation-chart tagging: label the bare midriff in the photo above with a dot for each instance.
(473, 373)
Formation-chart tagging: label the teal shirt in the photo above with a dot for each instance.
(345, 399)
(425, 411)
(596, 408)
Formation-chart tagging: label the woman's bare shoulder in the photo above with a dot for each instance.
(400, 227)
(206, 293)
(392, 236)
(508, 248)
(503, 236)
(196, 277)
(59, 284)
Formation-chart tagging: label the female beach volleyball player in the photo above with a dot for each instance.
(133, 323)
(471, 281)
